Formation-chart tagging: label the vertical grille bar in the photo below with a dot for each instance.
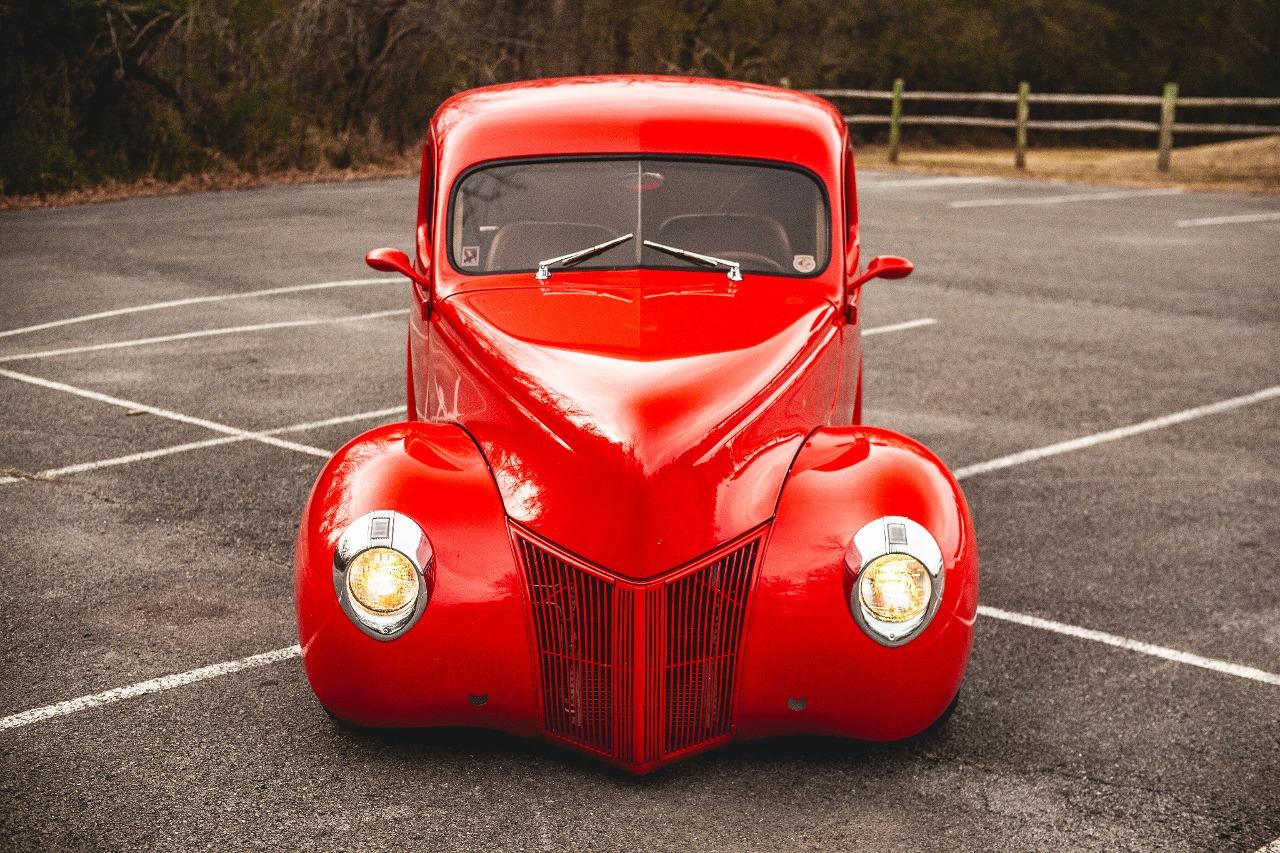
(573, 622)
(706, 610)
(623, 678)
(654, 699)
(638, 672)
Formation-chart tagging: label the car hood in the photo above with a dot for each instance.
(637, 426)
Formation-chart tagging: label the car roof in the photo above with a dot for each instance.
(637, 114)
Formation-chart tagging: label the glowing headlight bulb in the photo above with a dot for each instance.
(383, 581)
(895, 588)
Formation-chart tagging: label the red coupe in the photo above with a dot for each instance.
(633, 509)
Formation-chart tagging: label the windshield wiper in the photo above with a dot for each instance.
(735, 269)
(544, 267)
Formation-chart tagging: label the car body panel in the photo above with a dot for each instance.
(808, 668)
(621, 116)
(475, 642)
(641, 485)
(585, 392)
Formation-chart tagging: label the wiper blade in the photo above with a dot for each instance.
(734, 268)
(544, 267)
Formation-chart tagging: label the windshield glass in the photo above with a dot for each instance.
(510, 216)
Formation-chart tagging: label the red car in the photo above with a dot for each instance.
(633, 509)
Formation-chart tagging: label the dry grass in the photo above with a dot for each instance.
(213, 181)
(1251, 165)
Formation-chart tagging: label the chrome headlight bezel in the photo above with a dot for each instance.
(893, 534)
(384, 529)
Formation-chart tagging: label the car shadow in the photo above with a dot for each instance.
(817, 752)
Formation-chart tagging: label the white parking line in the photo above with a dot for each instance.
(165, 413)
(245, 435)
(948, 181)
(168, 682)
(54, 473)
(1117, 433)
(202, 333)
(142, 688)
(1229, 220)
(899, 327)
(196, 300)
(1273, 847)
(1111, 195)
(1174, 655)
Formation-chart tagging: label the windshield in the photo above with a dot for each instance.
(511, 216)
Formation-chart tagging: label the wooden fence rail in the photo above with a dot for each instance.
(1164, 128)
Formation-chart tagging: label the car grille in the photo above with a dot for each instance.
(638, 672)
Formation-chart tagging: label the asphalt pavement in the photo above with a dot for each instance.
(1124, 691)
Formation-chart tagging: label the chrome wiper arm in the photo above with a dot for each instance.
(734, 268)
(544, 267)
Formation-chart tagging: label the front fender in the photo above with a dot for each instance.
(466, 661)
(807, 666)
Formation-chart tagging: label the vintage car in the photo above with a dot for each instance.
(632, 508)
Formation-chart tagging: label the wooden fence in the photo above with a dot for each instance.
(1169, 103)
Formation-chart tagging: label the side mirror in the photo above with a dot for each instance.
(394, 260)
(883, 266)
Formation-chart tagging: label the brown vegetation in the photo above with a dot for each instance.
(389, 167)
(104, 93)
(1250, 166)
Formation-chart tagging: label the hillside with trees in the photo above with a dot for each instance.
(102, 90)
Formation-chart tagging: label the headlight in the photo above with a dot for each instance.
(895, 588)
(383, 572)
(897, 579)
(383, 581)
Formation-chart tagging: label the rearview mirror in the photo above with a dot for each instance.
(394, 260)
(883, 266)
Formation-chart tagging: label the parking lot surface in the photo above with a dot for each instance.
(1103, 372)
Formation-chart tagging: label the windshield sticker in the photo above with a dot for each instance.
(470, 256)
(803, 263)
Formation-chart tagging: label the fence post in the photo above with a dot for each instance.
(1168, 107)
(895, 118)
(1020, 135)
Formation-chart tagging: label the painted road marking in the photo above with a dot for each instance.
(165, 413)
(1273, 847)
(142, 456)
(1111, 195)
(1117, 433)
(1174, 655)
(54, 473)
(240, 436)
(196, 300)
(947, 181)
(1229, 220)
(142, 688)
(1225, 667)
(203, 333)
(900, 327)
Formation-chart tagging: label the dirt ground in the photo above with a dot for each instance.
(212, 181)
(1251, 166)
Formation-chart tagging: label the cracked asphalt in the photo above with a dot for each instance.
(1055, 321)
